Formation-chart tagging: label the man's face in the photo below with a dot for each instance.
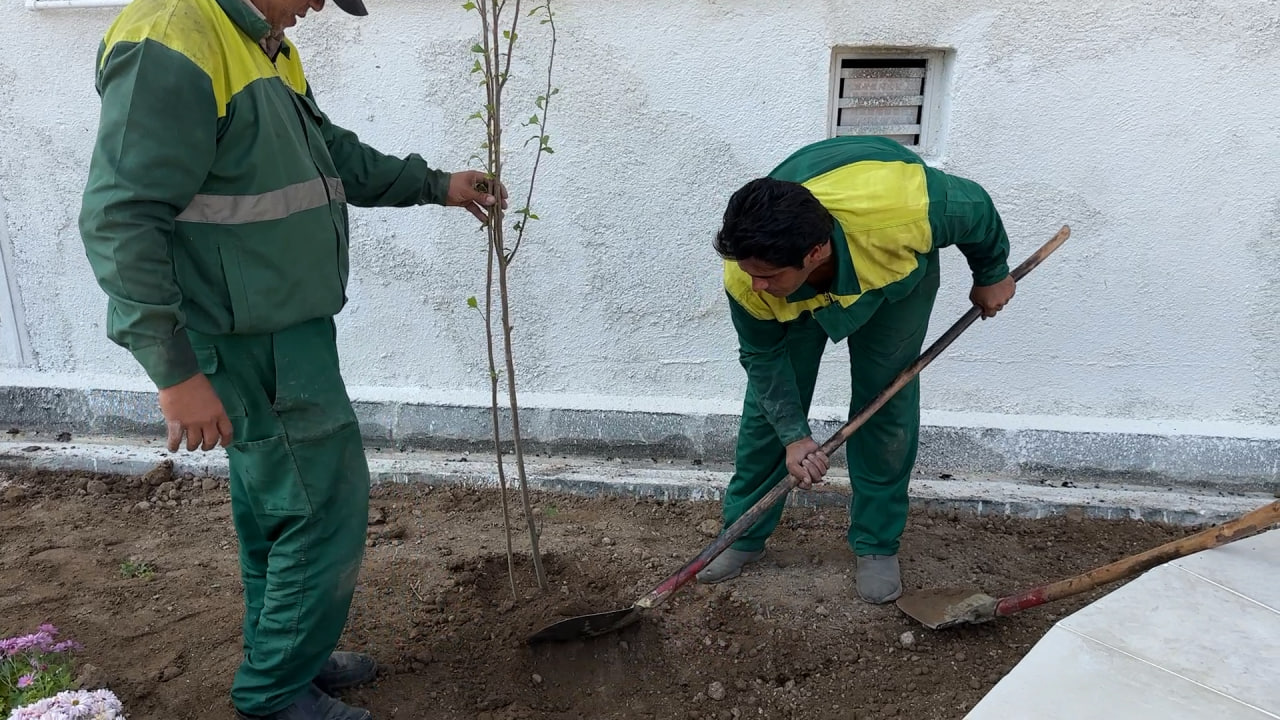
(782, 281)
(285, 13)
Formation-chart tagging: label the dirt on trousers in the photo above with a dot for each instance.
(143, 571)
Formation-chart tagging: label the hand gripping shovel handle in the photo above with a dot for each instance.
(779, 491)
(1243, 526)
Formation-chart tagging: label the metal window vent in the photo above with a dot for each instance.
(887, 94)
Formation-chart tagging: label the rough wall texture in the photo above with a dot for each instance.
(1149, 127)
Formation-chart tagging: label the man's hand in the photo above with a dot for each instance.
(471, 189)
(192, 408)
(993, 298)
(806, 461)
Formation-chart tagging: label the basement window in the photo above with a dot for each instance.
(887, 93)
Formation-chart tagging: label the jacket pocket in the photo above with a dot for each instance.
(242, 315)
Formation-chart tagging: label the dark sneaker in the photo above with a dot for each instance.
(345, 670)
(727, 565)
(313, 704)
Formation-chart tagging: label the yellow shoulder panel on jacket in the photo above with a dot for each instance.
(291, 69)
(200, 31)
(883, 208)
(738, 284)
(763, 306)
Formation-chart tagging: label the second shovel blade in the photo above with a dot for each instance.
(943, 607)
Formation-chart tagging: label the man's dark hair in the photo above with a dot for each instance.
(773, 221)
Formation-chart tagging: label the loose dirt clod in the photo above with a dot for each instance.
(436, 609)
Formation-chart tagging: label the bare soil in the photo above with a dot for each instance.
(153, 592)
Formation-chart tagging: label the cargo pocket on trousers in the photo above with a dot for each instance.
(271, 476)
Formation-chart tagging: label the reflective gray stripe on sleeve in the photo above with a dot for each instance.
(274, 205)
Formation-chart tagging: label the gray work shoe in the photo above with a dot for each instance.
(345, 670)
(879, 580)
(313, 704)
(727, 565)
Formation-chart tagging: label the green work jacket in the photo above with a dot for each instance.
(217, 191)
(891, 213)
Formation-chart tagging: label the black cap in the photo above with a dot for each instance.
(354, 7)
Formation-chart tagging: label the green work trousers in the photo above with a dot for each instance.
(299, 501)
(881, 453)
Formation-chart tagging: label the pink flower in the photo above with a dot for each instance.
(25, 681)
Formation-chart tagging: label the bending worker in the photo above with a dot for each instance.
(840, 242)
(215, 220)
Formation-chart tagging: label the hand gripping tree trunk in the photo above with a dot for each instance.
(499, 33)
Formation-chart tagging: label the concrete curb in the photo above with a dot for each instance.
(1188, 460)
(667, 481)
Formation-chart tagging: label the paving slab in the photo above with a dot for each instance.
(1197, 637)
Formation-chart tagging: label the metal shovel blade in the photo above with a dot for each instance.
(943, 607)
(586, 626)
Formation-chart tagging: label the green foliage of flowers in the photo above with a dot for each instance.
(34, 667)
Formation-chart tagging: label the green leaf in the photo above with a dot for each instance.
(533, 216)
(533, 119)
(472, 303)
(469, 6)
(477, 48)
(477, 67)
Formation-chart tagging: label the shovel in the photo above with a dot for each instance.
(946, 607)
(587, 626)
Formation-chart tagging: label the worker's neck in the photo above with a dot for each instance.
(823, 275)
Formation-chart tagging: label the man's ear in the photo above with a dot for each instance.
(818, 253)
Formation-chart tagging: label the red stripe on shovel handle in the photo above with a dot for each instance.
(1022, 601)
(779, 491)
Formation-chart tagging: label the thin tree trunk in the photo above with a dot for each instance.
(515, 427)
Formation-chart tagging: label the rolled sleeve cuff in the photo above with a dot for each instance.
(793, 432)
(991, 276)
(170, 362)
(435, 190)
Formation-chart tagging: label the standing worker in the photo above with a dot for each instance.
(215, 219)
(841, 242)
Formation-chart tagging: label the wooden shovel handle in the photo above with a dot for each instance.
(731, 534)
(1243, 526)
(934, 350)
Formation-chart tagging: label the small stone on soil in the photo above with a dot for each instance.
(715, 691)
(709, 527)
(96, 487)
(822, 610)
(537, 679)
(15, 494)
(209, 484)
(169, 673)
(142, 506)
(907, 639)
(161, 473)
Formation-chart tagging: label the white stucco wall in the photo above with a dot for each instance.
(1149, 127)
